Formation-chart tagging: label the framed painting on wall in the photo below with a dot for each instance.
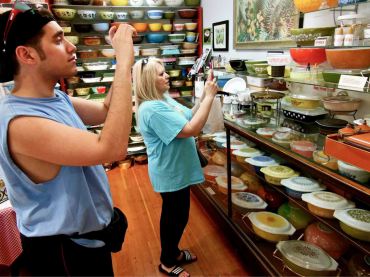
(220, 34)
(264, 24)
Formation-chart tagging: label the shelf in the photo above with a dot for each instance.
(332, 179)
(120, 8)
(331, 223)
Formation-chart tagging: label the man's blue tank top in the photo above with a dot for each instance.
(77, 200)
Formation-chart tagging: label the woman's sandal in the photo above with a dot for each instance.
(186, 258)
(174, 272)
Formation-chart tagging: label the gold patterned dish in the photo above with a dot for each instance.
(306, 259)
(248, 200)
(274, 174)
(270, 226)
(323, 203)
(355, 222)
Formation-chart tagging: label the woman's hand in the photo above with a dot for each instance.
(210, 88)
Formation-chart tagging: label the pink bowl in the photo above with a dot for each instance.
(305, 56)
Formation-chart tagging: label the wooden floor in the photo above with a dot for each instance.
(133, 193)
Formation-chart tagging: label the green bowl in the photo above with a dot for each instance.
(169, 15)
(307, 36)
(253, 65)
(192, 2)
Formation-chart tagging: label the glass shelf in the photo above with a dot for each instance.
(120, 8)
(332, 178)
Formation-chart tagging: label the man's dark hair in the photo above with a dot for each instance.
(26, 29)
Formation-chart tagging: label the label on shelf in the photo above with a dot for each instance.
(352, 82)
(210, 191)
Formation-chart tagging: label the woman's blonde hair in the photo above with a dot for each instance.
(144, 74)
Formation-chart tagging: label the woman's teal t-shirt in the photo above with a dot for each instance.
(173, 162)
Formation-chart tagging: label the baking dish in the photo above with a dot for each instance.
(260, 161)
(355, 222)
(212, 171)
(235, 144)
(236, 184)
(248, 200)
(266, 132)
(306, 259)
(353, 172)
(341, 103)
(329, 240)
(296, 186)
(275, 173)
(295, 215)
(304, 114)
(246, 152)
(271, 227)
(303, 147)
(304, 101)
(323, 203)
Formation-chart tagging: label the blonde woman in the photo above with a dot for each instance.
(168, 129)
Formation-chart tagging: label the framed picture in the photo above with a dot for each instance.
(220, 34)
(207, 36)
(264, 24)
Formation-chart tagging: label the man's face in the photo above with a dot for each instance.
(59, 55)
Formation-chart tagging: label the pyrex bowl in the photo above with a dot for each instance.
(271, 227)
(64, 13)
(349, 58)
(274, 174)
(295, 215)
(173, 3)
(155, 14)
(169, 14)
(187, 13)
(119, 2)
(353, 172)
(136, 3)
(192, 2)
(154, 3)
(306, 6)
(320, 157)
(136, 14)
(342, 103)
(155, 27)
(191, 26)
(140, 26)
(305, 56)
(121, 15)
(106, 15)
(324, 203)
(355, 222)
(296, 186)
(100, 27)
(87, 14)
(303, 147)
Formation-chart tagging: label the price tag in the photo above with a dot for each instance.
(323, 41)
(352, 82)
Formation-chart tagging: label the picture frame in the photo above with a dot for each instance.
(264, 24)
(207, 36)
(220, 36)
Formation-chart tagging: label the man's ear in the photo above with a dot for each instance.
(26, 55)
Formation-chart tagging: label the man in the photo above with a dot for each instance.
(50, 161)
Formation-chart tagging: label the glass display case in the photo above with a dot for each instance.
(268, 195)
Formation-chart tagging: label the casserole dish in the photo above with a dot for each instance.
(212, 171)
(235, 145)
(330, 125)
(304, 101)
(319, 234)
(303, 147)
(251, 181)
(82, 91)
(355, 222)
(246, 152)
(320, 157)
(341, 103)
(323, 203)
(93, 40)
(306, 259)
(274, 174)
(295, 215)
(248, 200)
(304, 115)
(296, 186)
(96, 66)
(353, 172)
(266, 132)
(271, 227)
(236, 184)
(149, 51)
(87, 54)
(260, 161)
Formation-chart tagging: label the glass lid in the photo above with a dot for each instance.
(235, 144)
(327, 200)
(279, 171)
(302, 184)
(236, 183)
(306, 255)
(355, 218)
(261, 161)
(248, 200)
(266, 131)
(247, 152)
(271, 223)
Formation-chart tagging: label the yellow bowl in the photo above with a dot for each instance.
(155, 27)
(356, 233)
(167, 27)
(269, 236)
(119, 2)
(303, 103)
(82, 91)
(65, 14)
(322, 212)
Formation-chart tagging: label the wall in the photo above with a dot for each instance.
(220, 10)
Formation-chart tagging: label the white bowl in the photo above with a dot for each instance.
(154, 3)
(100, 27)
(136, 3)
(173, 3)
(87, 14)
(136, 14)
(91, 80)
(109, 53)
(122, 15)
(353, 172)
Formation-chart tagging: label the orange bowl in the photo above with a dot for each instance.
(314, 5)
(140, 26)
(305, 56)
(349, 58)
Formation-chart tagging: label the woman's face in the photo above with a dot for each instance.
(162, 82)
